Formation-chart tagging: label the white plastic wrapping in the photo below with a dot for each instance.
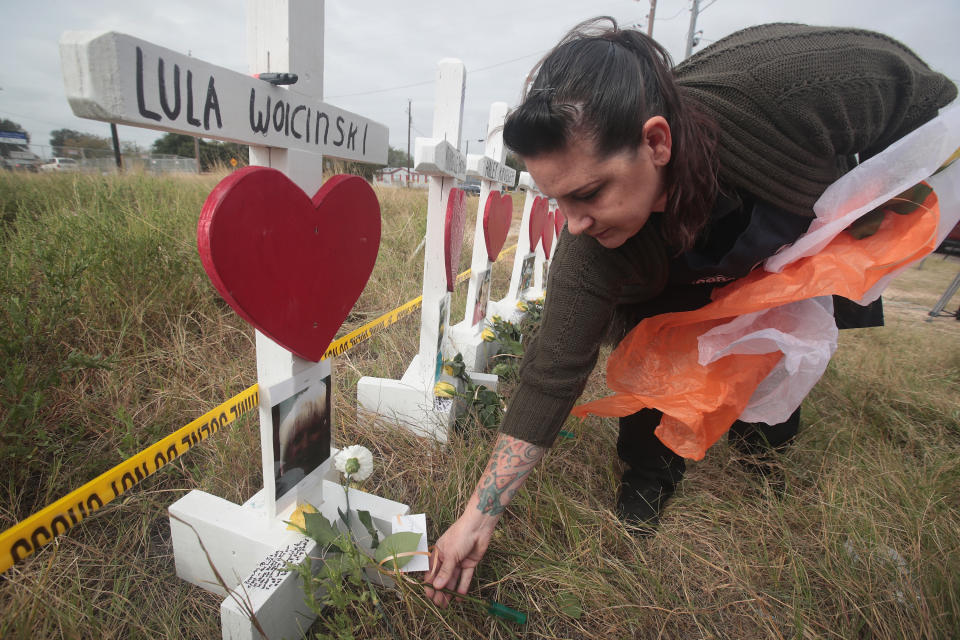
(806, 334)
(900, 166)
(805, 331)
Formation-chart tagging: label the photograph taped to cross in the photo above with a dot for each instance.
(118, 78)
(444, 318)
(301, 434)
(482, 284)
(297, 437)
(529, 276)
(526, 272)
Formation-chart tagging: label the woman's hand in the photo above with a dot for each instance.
(457, 554)
(460, 549)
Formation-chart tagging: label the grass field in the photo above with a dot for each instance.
(112, 336)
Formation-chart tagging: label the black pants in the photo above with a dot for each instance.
(650, 459)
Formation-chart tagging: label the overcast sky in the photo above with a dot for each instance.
(380, 54)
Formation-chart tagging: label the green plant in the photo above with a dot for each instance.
(340, 591)
(483, 402)
(506, 362)
(341, 583)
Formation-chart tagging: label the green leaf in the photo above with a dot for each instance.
(367, 521)
(320, 529)
(504, 370)
(403, 542)
(486, 396)
(570, 605)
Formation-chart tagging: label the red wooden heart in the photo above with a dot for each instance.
(290, 266)
(497, 216)
(538, 217)
(547, 237)
(558, 220)
(453, 234)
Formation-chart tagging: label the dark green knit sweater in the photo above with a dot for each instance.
(793, 103)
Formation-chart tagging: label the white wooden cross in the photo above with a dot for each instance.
(119, 78)
(490, 168)
(528, 262)
(410, 401)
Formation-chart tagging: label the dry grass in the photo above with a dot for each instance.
(863, 543)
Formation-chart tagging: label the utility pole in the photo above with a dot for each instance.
(409, 125)
(650, 16)
(691, 34)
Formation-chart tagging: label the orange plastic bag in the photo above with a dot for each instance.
(657, 366)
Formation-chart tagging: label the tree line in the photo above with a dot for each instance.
(213, 154)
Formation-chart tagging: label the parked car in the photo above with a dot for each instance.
(472, 188)
(60, 164)
(20, 160)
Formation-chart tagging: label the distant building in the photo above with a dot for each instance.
(400, 177)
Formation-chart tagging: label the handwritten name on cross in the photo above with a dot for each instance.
(439, 158)
(487, 168)
(118, 78)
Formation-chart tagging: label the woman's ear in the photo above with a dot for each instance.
(656, 135)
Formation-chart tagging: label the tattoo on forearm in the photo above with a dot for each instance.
(510, 463)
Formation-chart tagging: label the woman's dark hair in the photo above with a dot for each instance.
(601, 83)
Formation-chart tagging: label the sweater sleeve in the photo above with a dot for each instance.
(793, 101)
(585, 284)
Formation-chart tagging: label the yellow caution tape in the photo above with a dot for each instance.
(27, 536)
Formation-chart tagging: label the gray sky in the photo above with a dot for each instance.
(379, 54)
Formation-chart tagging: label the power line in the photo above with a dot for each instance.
(425, 82)
(676, 15)
(506, 62)
(367, 93)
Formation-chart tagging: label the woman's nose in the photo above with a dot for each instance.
(577, 224)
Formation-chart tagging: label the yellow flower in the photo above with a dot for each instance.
(297, 518)
(444, 390)
(447, 369)
(487, 335)
(497, 319)
(522, 305)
